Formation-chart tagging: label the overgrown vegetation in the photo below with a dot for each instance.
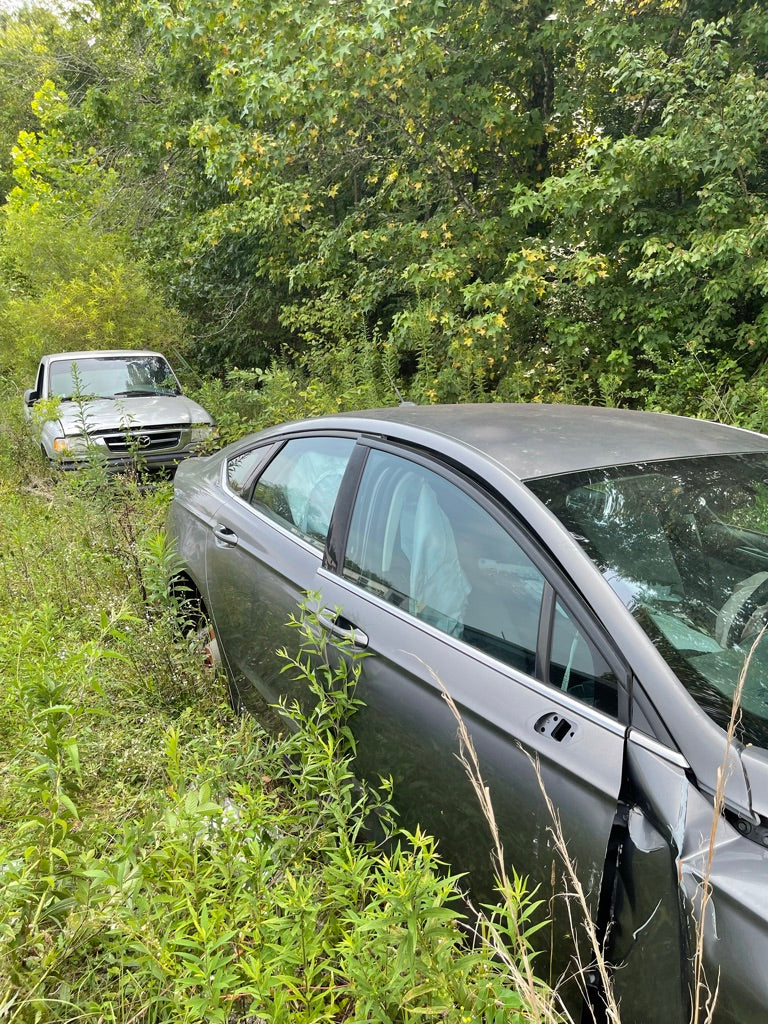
(163, 860)
(561, 201)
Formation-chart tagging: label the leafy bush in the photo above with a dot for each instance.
(247, 400)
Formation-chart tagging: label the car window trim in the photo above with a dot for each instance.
(245, 499)
(562, 698)
(341, 517)
(279, 443)
(505, 515)
(642, 705)
(546, 627)
(663, 750)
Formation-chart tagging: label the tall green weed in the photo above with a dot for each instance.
(163, 860)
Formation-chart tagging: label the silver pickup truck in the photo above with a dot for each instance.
(122, 407)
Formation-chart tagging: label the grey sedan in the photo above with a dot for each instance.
(588, 585)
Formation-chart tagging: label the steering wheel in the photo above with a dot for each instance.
(745, 612)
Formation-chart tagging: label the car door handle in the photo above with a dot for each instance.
(224, 535)
(554, 725)
(342, 628)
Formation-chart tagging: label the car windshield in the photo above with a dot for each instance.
(684, 544)
(112, 377)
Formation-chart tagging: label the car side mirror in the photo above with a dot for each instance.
(31, 396)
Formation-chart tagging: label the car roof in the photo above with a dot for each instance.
(539, 440)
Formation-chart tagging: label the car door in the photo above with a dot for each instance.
(264, 550)
(449, 596)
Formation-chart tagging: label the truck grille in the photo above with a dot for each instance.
(142, 441)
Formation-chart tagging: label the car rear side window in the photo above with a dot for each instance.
(299, 486)
(424, 545)
(242, 468)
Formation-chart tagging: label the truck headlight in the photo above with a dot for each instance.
(199, 432)
(75, 444)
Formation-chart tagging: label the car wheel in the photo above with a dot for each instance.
(195, 625)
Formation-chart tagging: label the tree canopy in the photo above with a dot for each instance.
(468, 200)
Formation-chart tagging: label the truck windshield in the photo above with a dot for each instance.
(112, 377)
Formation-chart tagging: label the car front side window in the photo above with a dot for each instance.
(299, 486)
(577, 667)
(423, 544)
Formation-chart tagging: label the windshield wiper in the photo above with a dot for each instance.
(82, 398)
(141, 392)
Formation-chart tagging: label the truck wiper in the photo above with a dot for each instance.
(136, 392)
(81, 398)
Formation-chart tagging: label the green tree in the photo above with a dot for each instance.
(365, 157)
(647, 255)
(70, 283)
(552, 201)
(37, 44)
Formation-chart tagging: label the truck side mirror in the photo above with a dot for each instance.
(31, 396)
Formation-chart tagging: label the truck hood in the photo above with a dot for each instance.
(123, 413)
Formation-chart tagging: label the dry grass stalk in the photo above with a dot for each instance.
(544, 1003)
(550, 1008)
(576, 894)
